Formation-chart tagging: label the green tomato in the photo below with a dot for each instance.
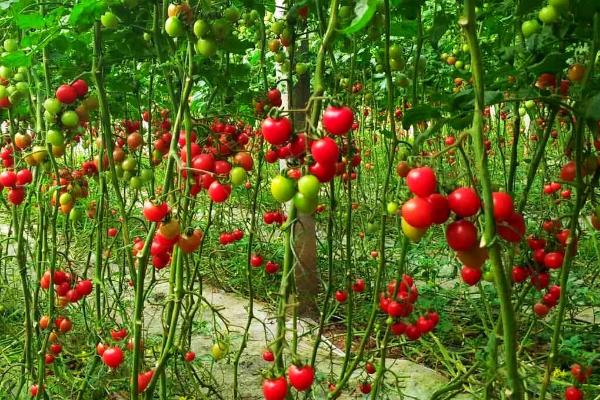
(127, 175)
(309, 186)
(403, 153)
(5, 72)
(530, 104)
(522, 111)
(459, 64)
(206, 47)
(22, 87)
(282, 188)
(530, 27)
(147, 37)
(11, 45)
(346, 12)
(237, 175)
(305, 204)
(232, 14)
(119, 170)
(75, 214)
(109, 20)
(279, 57)
(136, 183)
(55, 138)
(548, 15)
(52, 105)
(49, 117)
(561, 5)
(395, 52)
(129, 164)
(201, 28)
(70, 119)
(3, 92)
(402, 80)
(146, 174)
(221, 28)
(174, 27)
(285, 66)
(301, 68)
(465, 48)
(488, 275)
(277, 27)
(19, 77)
(372, 227)
(396, 64)
(392, 207)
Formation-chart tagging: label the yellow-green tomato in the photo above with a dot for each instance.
(412, 233)
(219, 350)
(237, 175)
(282, 188)
(392, 207)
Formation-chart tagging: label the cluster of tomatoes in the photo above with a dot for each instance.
(300, 377)
(226, 238)
(272, 99)
(67, 290)
(15, 182)
(325, 153)
(62, 325)
(168, 235)
(210, 168)
(274, 217)
(580, 374)
(428, 207)
(73, 185)
(257, 261)
(401, 305)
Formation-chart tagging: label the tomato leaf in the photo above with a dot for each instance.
(526, 6)
(419, 113)
(29, 21)
(441, 23)
(592, 109)
(552, 63)
(236, 46)
(85, 13)
(404, 28)
(16, 59)
(364, 11)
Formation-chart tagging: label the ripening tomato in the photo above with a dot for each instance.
(461, 235)
(276, 131)
(275, 388)
(412, 233)
(338, 120)
(301, 377)
(576, 72)
(418, 212)
(464, 202)
(475, 257)
(421, 181)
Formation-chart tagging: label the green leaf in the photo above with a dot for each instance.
(16, 59)
(85, 13)
(236, 46)
(592, 109)
(441, 23)
(552, 63)
(404, 28)
(419, 113)
(29, 21)
(364, 11)
(527, 6)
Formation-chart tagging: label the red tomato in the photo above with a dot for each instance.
(256, 260)
(359, 286)
(155, 212)
(464, 202)
(553, 260)
(421, 181)
(519, 274)
(218, 192)
(276, 131)
(568, 171)
(268, 356)
(325, 151)
(412, 332)
(80, 86)
(503, 205)
(275, 388)
(440, 208)
(338, 120)
(418, 212)
(323, 172)
(461, 235)
(144, 379)
(301, 377)
(573, 393)
(470, 275)
(24, 177)
(341, 296)
(113, 357)
(513, 229)
(66, 94)
(189, 356)
(541, 310)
